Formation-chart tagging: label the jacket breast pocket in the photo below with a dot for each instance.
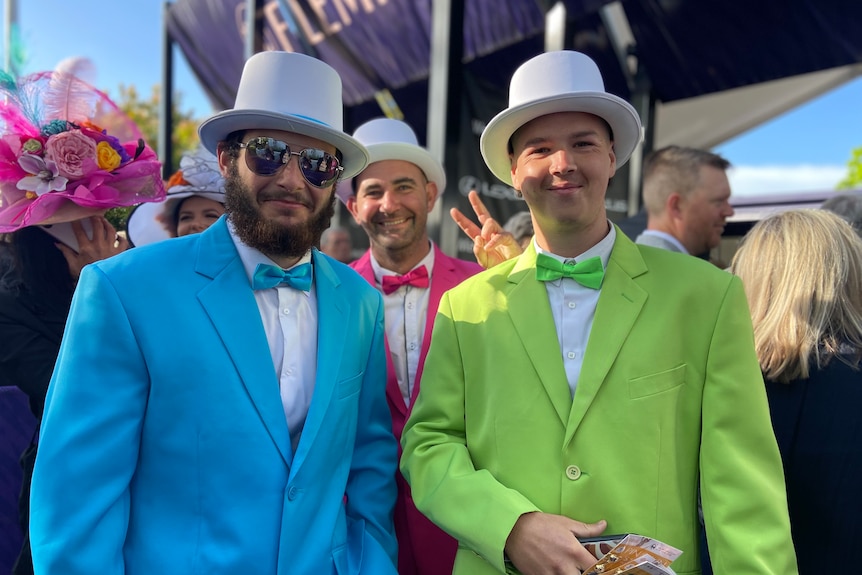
(656, 383)
(350, 386)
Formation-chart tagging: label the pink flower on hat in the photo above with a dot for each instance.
(70, 150)
(44, 176)
(57, 164)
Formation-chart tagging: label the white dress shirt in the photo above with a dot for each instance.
(289, 319)
(667, 237)
(404, 312)
(574, 308)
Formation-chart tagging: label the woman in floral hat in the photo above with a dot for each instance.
(67, 154)
(194, 201)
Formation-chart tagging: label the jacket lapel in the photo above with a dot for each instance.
(362, 266)
(229, 301)
(619, 305)
(443, 277)
(531, 315)
(333, 312)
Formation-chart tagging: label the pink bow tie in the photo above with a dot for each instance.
(416, 278)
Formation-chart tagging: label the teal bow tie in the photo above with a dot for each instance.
(589, 273)
(267, 276)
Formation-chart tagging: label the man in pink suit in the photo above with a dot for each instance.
(391, 200)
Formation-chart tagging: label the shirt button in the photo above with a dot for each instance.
(572, 305)
(412, 346)
(410, 305)
(573, 472)
(286, 311)
(571, 355)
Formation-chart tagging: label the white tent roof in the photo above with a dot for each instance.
(707, 121)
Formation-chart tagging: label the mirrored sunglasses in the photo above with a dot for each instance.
(266, 156)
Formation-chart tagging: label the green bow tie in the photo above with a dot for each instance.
(589, 273)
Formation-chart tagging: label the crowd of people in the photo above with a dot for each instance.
(226, 387)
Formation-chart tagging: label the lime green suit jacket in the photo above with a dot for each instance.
(670, 393)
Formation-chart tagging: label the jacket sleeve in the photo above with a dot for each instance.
(469, 504)
(742, 481)
(90, 437)
(371, 486)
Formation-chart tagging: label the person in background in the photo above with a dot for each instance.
(520, 225)
(195, 200)
(590, 384)
(491, 243)
(802, 272)
(687, 197)
(848, 206)
(391, 200)
(58, 175)
(335, 242)
(34, 301)
(218, 400)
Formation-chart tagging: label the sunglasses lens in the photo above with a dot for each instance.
(265, 156)
(319, 168)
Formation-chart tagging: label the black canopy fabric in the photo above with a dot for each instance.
(683, 48)
(688, 48)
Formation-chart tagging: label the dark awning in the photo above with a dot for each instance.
(688, 47)
(710, 69)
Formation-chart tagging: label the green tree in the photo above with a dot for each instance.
(854, 171)
(145, 113)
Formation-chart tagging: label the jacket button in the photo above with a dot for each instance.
(292, 493)
(573, 472)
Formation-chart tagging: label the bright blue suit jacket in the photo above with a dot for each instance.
(164, 445)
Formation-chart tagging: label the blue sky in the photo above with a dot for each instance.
(804, 149)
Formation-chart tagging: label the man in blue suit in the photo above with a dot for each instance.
(218, 404)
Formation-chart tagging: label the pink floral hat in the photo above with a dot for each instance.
(68, 152)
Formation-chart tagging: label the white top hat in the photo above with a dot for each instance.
(390, 139)
(560, 81)
(291, 92)
(200, 176)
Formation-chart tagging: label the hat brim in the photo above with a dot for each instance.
(63, 231)
(138, 181)
(619, 114)
(218, 127)
(144, 224)
(17, 215)
(416, 155)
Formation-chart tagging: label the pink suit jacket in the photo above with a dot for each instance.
(423, 549)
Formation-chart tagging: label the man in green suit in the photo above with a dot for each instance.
(590, 384)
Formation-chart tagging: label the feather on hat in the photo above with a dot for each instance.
(68, 152)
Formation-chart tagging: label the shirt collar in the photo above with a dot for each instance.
(667, 237)
(602, 249)
(380, 271)
(250, 257)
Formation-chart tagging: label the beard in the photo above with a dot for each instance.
(269, 238)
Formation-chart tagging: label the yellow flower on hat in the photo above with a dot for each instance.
(107, 157)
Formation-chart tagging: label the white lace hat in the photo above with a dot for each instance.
(198, 175)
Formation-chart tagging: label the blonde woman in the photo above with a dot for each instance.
(802, 272)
